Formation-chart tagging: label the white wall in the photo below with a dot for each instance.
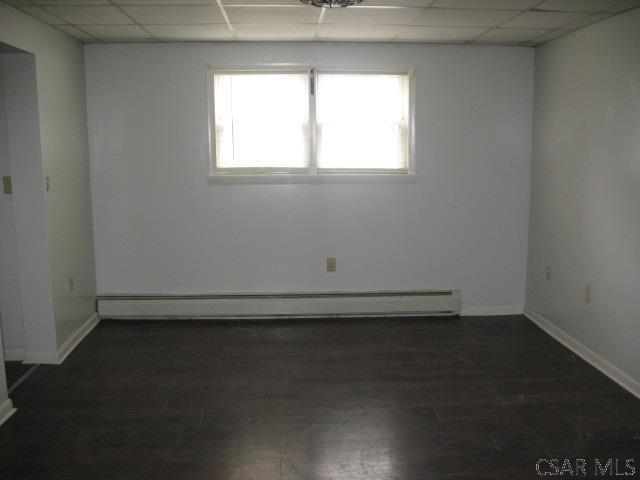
(23, 140)
(61, 105)
(10, 297)
(23, 132)
(6, 405)
(585, 198)
(161, 228)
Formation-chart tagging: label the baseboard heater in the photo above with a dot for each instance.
(286, 305)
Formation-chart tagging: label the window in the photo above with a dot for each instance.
(262, 121)
(362, 122)
(310, 122)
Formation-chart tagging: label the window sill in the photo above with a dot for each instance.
(318, 179)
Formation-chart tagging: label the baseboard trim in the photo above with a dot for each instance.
(14, 354)
(605, 366)
(281, 305)
(48, 358)
(59, 356)
(6, 410)
(74, 340)
(492, 310)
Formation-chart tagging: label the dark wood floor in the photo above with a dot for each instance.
(15, 371)
(469, 398)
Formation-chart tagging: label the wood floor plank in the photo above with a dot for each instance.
(404, 399)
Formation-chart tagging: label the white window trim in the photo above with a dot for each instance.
(309, 175)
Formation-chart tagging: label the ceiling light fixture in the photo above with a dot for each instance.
(331, 3)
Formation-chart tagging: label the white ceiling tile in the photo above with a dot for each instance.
(275, 32)
(17, 3)
(116, 33)
(371, 16)
(510, 35)
(492, 21)
(259, 3)
(397, 3)
(75, 32)
(438, 34)
(624, 6)
(41, 14)
(273, 15)
(163, 2)
(71, 2)
(594, 18)
(182, 14)
(488, 4)
(576, 5)
(549, 36)
(90, 15)
(544, 20)
(440, 17)
(358, 32)
(190, 32)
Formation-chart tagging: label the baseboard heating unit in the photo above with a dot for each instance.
(286, 305)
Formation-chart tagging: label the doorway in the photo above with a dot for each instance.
(25, 279)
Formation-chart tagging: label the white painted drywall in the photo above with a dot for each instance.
(23, 134)
(161, 228)
(585, 207)
(4, 395)
(10, 298)
(62, 111)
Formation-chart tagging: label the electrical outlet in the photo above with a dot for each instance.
(331, 264)
(547, 274)
(7, 186)
(71, 282)
(587, 293)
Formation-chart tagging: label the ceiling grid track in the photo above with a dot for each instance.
(437, 21)
(132, 19)
(226, 18)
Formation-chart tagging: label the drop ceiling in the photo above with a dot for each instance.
(506, 22)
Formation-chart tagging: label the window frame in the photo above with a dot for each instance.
(310, 174)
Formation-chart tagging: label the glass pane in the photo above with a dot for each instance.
(262, 120)
(362, 121)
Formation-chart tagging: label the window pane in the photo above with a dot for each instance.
(262, 120)
(362, 121)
